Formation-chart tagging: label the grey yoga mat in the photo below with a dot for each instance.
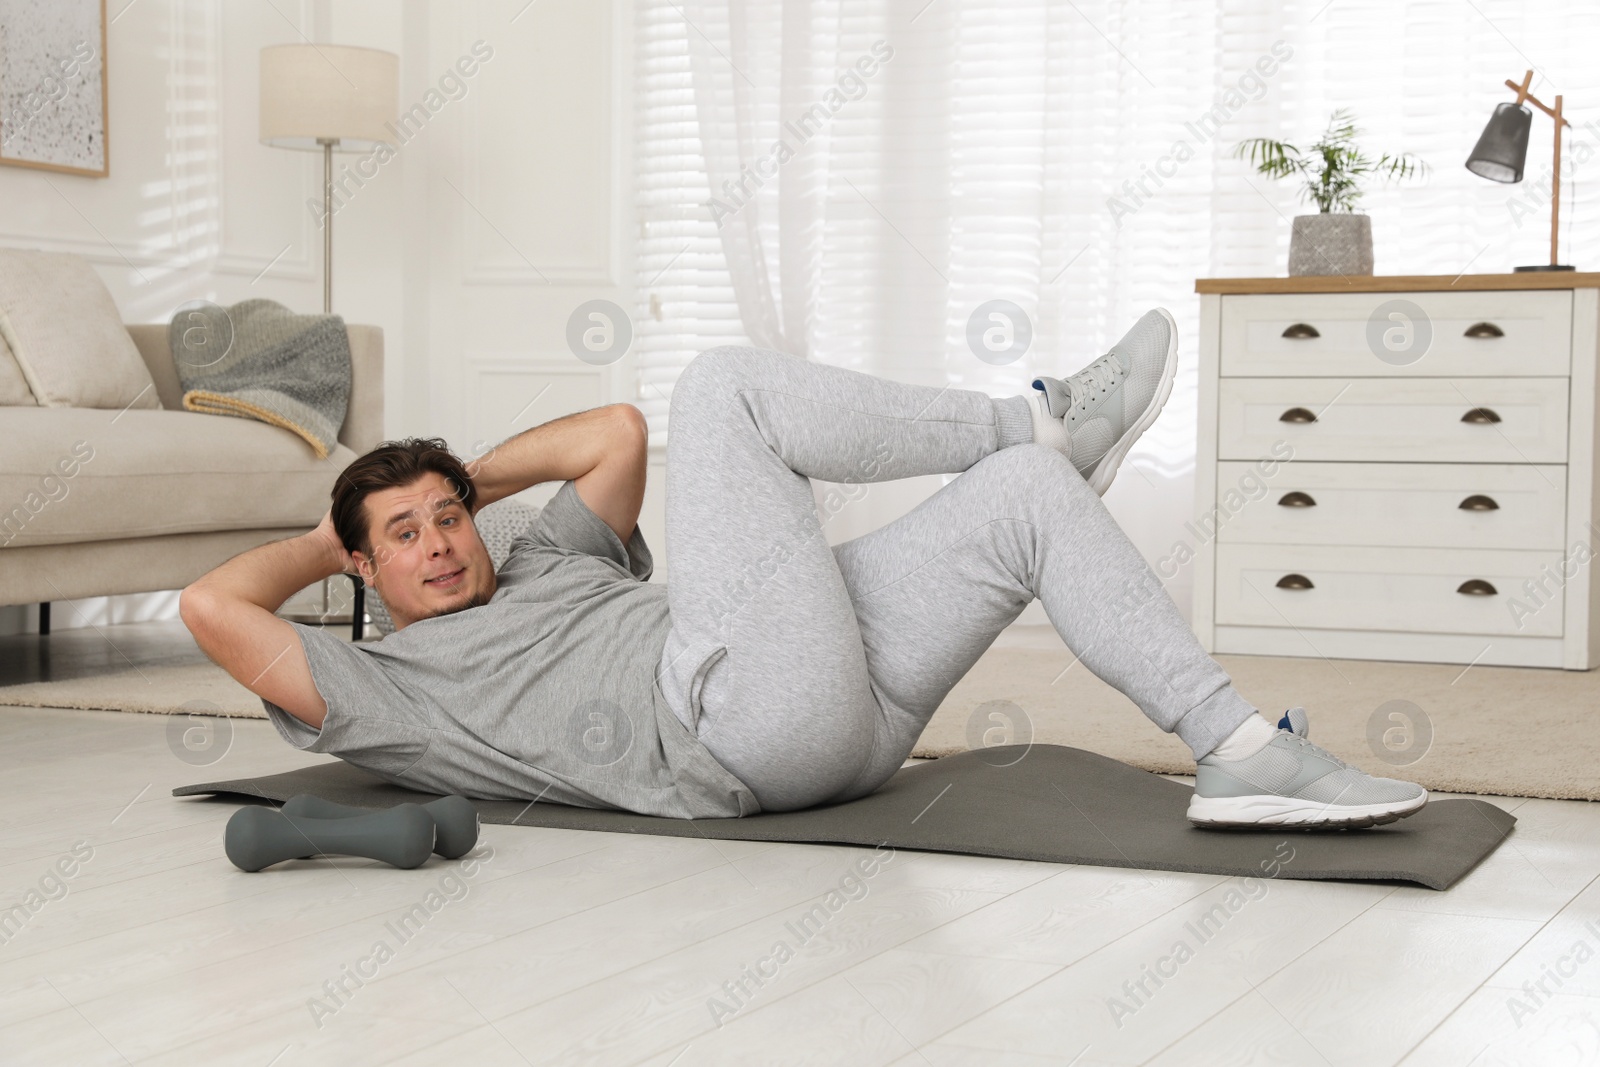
(1038, 802)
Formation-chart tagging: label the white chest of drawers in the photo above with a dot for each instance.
(1398, 468)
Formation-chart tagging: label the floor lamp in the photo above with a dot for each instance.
(1502, 152)
(329, 98)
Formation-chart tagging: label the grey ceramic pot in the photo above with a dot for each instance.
(1333, 243)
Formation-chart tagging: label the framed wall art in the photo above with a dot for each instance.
(53, 112)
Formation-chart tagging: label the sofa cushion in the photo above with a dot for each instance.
(13, 386)
(67, 335)
(75, 474)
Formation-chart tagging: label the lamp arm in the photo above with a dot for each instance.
(1523, 96)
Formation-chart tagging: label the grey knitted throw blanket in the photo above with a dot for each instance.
(259, 360)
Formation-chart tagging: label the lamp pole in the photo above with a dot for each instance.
(325, 97)
(1555, 184)
(327, 144)
(1524, 96)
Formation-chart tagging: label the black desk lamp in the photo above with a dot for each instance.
(1502, 151)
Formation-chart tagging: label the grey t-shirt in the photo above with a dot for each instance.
(547, 692)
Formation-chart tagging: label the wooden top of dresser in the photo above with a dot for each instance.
(1401, 283)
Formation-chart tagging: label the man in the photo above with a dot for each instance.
(773, 672)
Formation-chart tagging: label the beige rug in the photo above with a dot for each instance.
(1505, 731)
(160, 689)
(1496, 730)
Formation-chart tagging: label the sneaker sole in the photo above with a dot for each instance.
(1270, 810)
(1106, 470)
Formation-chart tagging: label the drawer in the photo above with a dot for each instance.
(1463, 505)
(1522, 420)
(1486, 334)
(1413, 590)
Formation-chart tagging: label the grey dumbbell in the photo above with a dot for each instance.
(455, 817)
(259, 837)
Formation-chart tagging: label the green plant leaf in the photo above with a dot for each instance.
(1332, 168)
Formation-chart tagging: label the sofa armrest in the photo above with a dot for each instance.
(151, 341)
(363, 420)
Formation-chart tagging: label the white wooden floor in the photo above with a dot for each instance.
(566, 947)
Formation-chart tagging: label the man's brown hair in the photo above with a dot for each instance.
(392, 465)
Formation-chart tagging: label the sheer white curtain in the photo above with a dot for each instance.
(849, 182)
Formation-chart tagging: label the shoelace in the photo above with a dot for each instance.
(1305, 742)
(1099, 375)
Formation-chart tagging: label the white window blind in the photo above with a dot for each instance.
(1075, 159)
(684, 300)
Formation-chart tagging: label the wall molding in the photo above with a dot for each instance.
(480, 274)
(482, 368)
(251, 265)
(478, 271)
(109, 253)
(95, 251)
(112, 255)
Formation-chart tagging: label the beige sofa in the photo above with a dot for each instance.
(163, 495)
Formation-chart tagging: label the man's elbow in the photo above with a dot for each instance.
(197, 607)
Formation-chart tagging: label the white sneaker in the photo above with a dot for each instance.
(1095, 416)
(1292, 782)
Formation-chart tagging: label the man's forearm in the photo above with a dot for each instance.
(269, 575)
(560, 450)
(230, 613)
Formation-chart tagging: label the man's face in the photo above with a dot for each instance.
(427, 558)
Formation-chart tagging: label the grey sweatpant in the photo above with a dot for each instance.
(809, 671)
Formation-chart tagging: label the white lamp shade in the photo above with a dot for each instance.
(311, 93)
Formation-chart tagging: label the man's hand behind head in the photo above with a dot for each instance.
(336, 550)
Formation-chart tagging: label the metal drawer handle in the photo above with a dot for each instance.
(1477, 587)
(1484, 329)
(1302, 415)
(1301, 331)
(1295, 581)
(1478, 502)
(1296, 499)
(1480, 415)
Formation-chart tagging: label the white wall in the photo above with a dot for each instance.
(521, 191)
(193, 209)
(470, 248)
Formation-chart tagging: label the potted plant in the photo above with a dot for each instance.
(1336, 240)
